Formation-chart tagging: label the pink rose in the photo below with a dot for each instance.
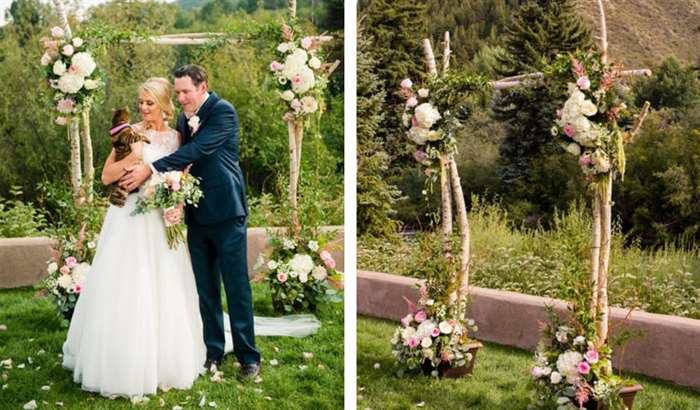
(306, 42)
(560, 113)
(583, 83)
(406, 320)
(330, 263)
(282, 277)
(414, 121)
(412, 342)
(172, 216)
(591, 356)
(275, 66)
(76, 289)
(295, 104)
(435, 332)
(536, 372)
(65, 270)
(72, 69)
(420, 155)
(412, 102)
(325, 255)
(57, 32)
(584, 368)
(296, 79)
(585, 160)
(406, 83)
(71, 261)
(421, 316)
(68, 50)
(66, 105)
(569, 130)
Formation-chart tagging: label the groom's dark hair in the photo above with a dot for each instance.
(197, 73)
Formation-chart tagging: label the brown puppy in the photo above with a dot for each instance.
(122, 135)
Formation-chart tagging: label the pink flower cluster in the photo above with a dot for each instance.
(590, 357)
(327, 259)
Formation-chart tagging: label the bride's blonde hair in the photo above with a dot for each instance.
(161, 89)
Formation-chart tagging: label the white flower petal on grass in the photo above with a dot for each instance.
(177, 408)
(30, 360)
(7, 363)
(274, 362)
(21, 366)
(212, 404)
(321, 367)
(45, 388)
(59, 403)
(30, 406)
(307, 355)
(3, 327)
(40, 352)
(377, 365)
(4, 386)
(420, 404)
(258, 380)
(268, 398)
(302, 367)
(161, 402)
(203, 401)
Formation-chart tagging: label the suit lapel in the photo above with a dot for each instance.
(183, 128)
(206, 108)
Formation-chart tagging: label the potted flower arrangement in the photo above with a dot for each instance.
(435, 335)
(67, 269)
(573, 363)
(299, 273)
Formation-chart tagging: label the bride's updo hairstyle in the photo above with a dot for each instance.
(162, 91)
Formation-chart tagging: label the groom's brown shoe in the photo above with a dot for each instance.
(249, 371)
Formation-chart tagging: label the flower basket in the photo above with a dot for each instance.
(627, 395)
(445, 369)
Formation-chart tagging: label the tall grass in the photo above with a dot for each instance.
(547, 262)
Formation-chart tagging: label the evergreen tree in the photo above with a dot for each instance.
(539, 31)
(375, 197)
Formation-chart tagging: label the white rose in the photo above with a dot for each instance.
(65, 281)
(309, 104)
(287, 95)
(70, 83)
(445, 328)
(408, 333)
(45, 59)
(313, 246)
(91, 84)
(83, 63)
(272, 265)
(68, 50)
(77, 42)
(406, 119)
(59, 68)
(426, 342)
(303, 277)
(555, 378)
(319, 273)
(572, 148)
(423, 92)
(567, 363)
(283, 47)
(308, 80)
(588, 108)
(426, 115)
(315, 63)
(53, 267)
(301, 263)
(419, 135)
(579, 340)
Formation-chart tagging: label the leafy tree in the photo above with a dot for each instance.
(375, 197)
(672, 85)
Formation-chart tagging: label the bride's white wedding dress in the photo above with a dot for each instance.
(136, 326)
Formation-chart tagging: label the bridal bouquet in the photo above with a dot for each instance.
(588, 123)
(302, 76)
(571, 369)
(67, 269)
(299, 274)
(71, 73)
(169, 192)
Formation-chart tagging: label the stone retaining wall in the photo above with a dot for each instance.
(669, 347)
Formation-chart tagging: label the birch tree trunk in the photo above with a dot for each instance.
(88, 166)
(294, 159)
(595, 251)
(429, 58)
(446, 208)
(463, 231)
(447, 53)
(292, 9)
(75, 172)
(606, 221)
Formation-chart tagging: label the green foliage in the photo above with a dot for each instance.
(553, 262)
(18, 218)
(375, 196)
(672, 85)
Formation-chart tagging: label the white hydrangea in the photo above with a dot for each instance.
(308, 81)
(303, 277)
(419, 135)
(426, 115)
(301, 264)
(83, 63)
(315, 63)
(426, 342)
(287, 95)
(59, 68)
(567, 363)
(80, 271)
(272, 265)
(65, 281)
(319, 273)
(407, 333)
(309, 104)
(70, 83)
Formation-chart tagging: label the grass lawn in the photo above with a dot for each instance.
(500, 380)
(295, 383)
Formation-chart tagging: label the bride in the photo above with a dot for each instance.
(137, 325)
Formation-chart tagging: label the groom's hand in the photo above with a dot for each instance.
(135, 176)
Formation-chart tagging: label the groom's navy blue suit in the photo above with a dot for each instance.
(216, 229)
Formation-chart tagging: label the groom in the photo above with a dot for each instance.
(216, 229)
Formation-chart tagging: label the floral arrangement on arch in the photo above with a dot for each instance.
(572, 369)
(433, 113)
(67, 269)
(435, 335)
(71, 72)
(301, 76)
(588, 125)
(300, 272)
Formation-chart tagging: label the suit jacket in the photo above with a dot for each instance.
(214, 154)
